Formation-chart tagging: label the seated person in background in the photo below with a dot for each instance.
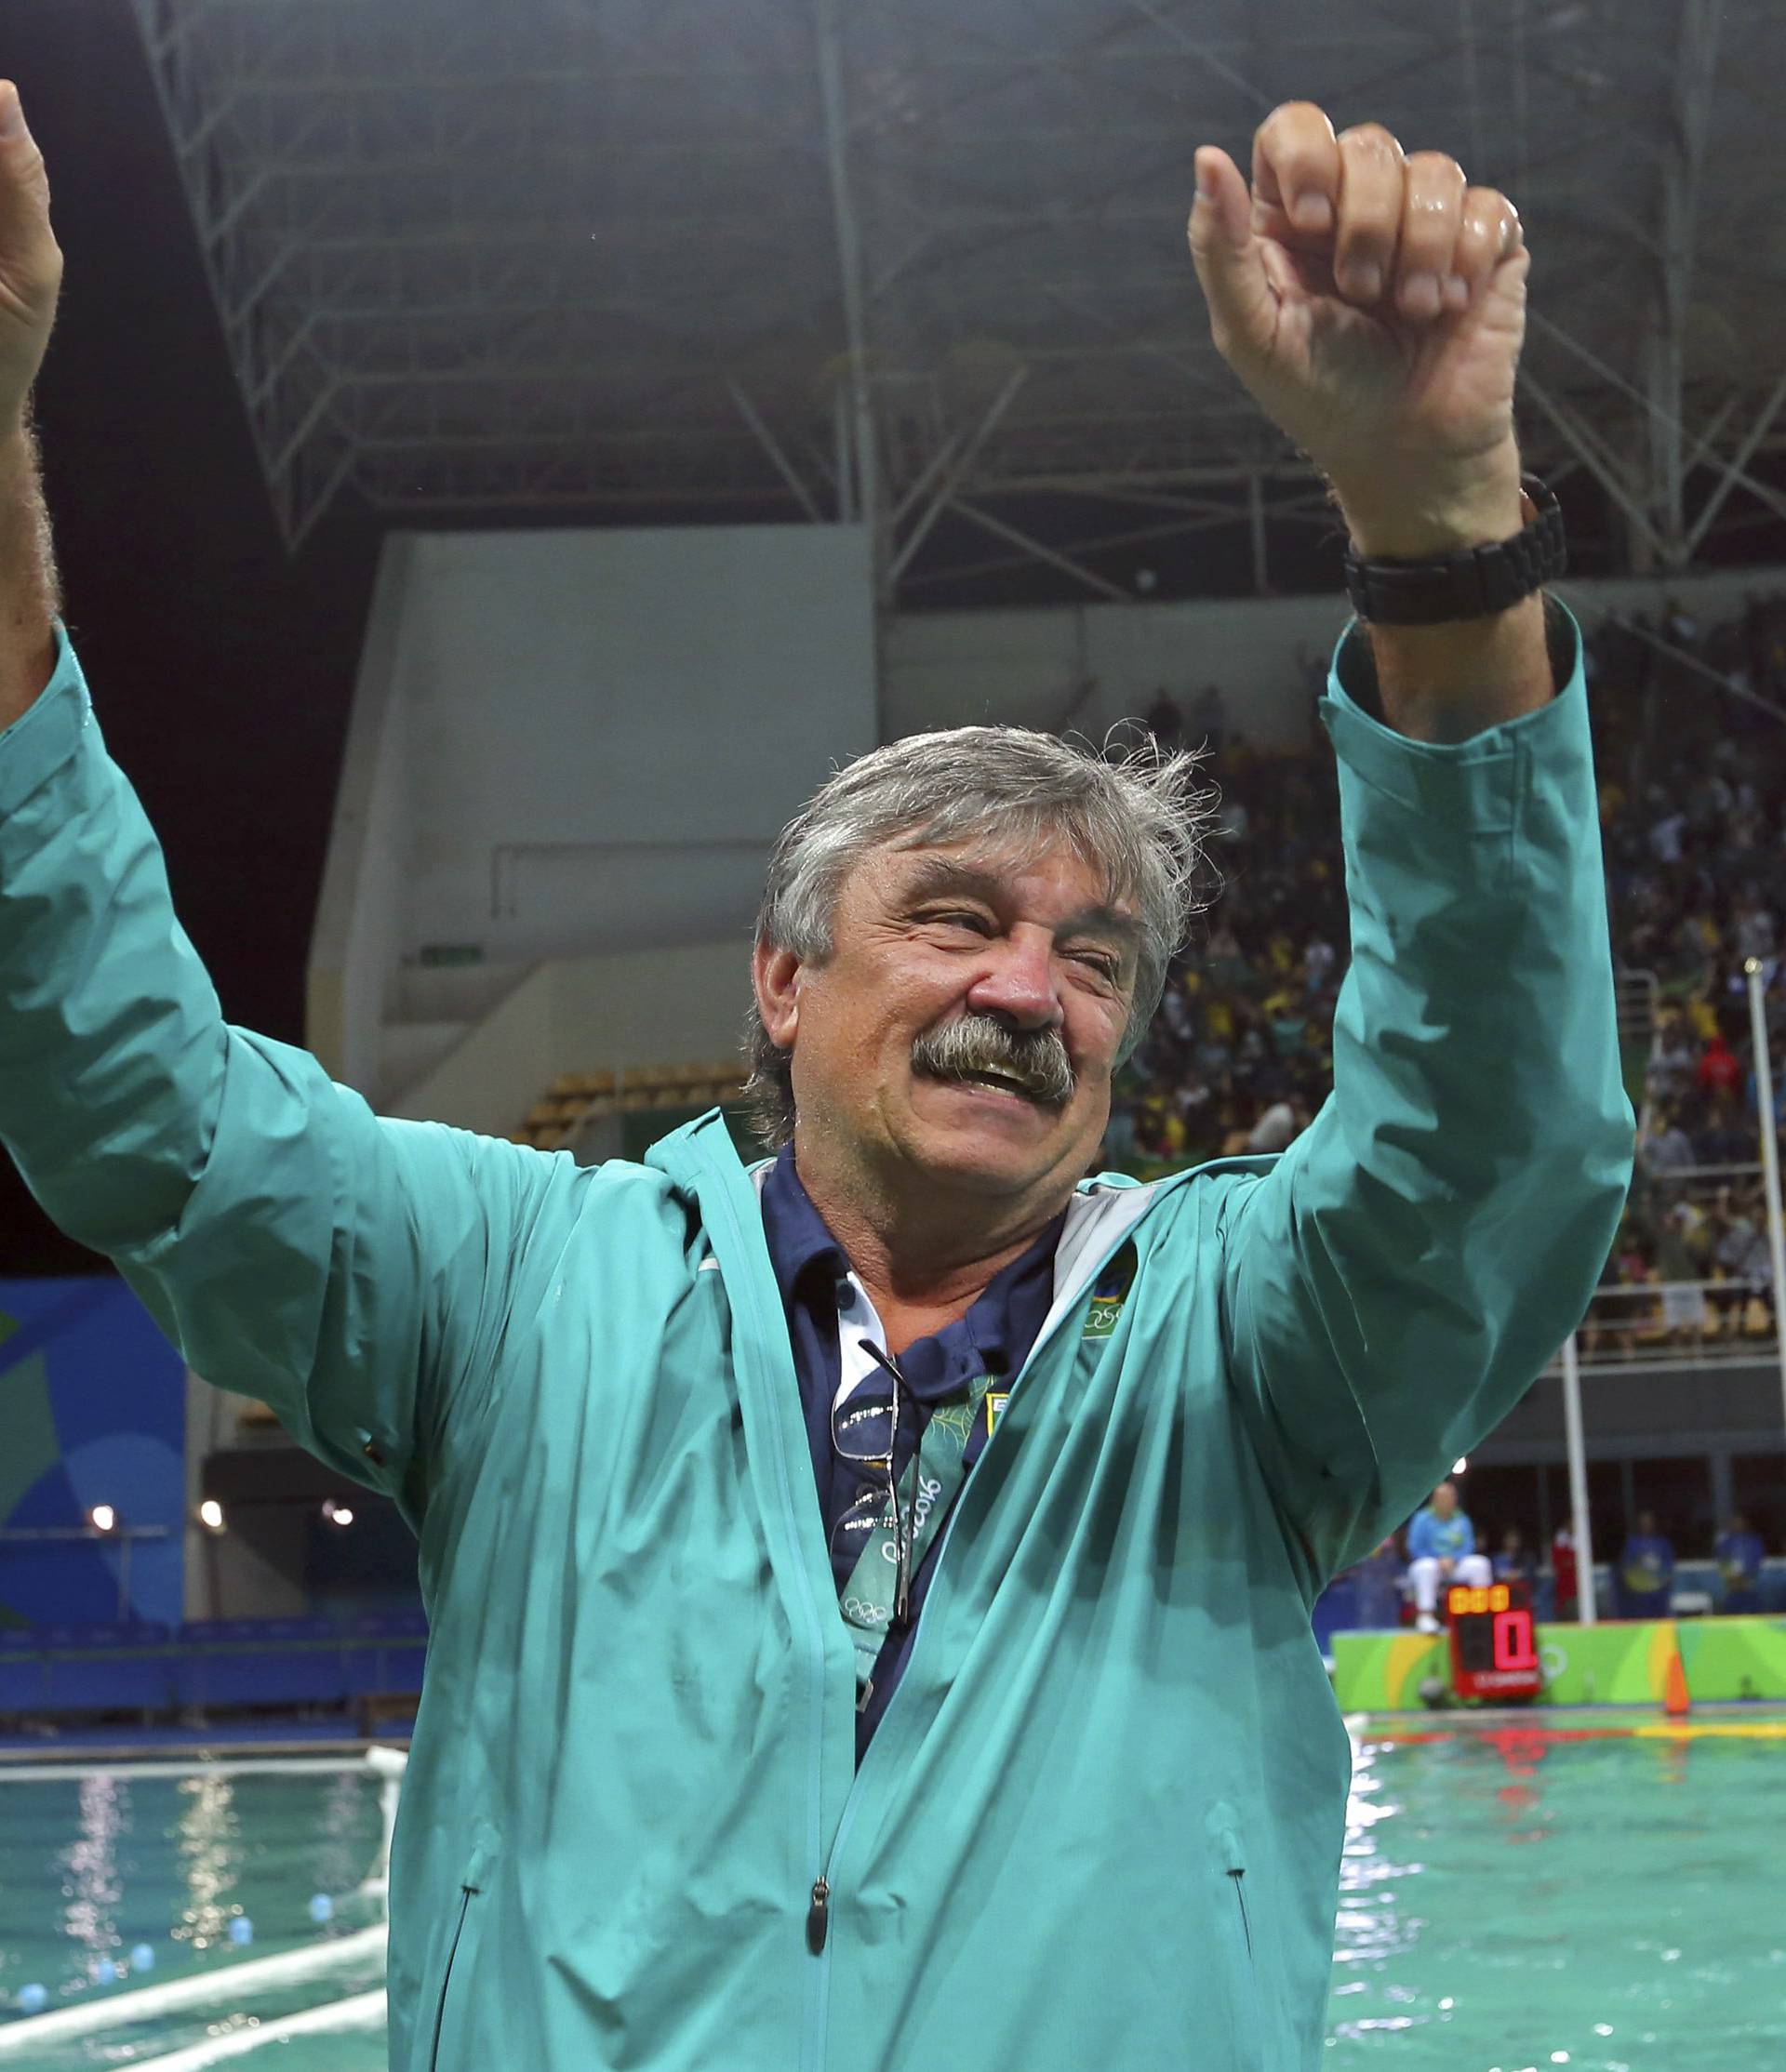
(1682, 1243)
(1442, 1549)
(1645, 1572)
(1722, 1140)
(1515, 1561)
(1668, 1148)
(1276, 1128)
(1739, 1554)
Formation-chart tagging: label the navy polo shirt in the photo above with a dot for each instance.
(993, 1337)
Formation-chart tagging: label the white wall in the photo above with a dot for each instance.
(1715, 597)
(651, 1007)
(1027, 668)
(1032, 668)
(573, 743)
(682, 1006)
(606, 730)
(355, 944)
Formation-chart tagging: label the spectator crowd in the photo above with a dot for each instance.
(1690, 749)
(1689, 731)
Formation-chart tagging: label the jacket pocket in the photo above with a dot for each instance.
(1239, 1943)
(471, 1886)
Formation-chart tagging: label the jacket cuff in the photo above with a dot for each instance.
(1477, 781)
(47, 734)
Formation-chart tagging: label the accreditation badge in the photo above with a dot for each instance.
(1110, 1292)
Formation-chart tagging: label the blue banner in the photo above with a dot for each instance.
(92, 1410)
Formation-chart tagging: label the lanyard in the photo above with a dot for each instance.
(868, 1597)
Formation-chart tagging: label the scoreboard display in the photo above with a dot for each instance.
(1494, 1650)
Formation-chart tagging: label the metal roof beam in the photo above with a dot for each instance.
(1039, 550)
(1681, 174)
(783, 465)
(1600, 461)
(957, 475)
(1206, 55)
(863, 441)
(1732, 472)
(1763, 491)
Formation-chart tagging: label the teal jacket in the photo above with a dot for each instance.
(1100, 1824)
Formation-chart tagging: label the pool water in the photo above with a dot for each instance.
(93, 1865)
(1513, 1898)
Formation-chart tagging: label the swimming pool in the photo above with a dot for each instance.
(1555, 1892)
(110, 1859)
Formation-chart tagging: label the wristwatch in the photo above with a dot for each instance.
(1475, 583)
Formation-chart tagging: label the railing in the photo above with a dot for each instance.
(371, 1664)
(1660, 1326)
(1653, 1192)
(1636, 1003)
(1638, 995)
(122, 1536)
(1749, 1171)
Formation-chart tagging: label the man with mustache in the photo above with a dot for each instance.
(870, 1592)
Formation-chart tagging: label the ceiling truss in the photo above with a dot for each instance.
(925, 266)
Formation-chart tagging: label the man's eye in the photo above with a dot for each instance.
(977, 921)
(1106, 967)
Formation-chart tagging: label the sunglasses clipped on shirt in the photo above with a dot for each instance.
(867, 1435)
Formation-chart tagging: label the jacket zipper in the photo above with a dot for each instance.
(440, 2010)
(1239, 1876)
(818, 1908)
(818, 1901)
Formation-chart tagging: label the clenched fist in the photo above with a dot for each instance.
(30, 262)
(1374, 303)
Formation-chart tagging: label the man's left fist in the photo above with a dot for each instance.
(1374, 303)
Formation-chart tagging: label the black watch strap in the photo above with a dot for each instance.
(1475, 584)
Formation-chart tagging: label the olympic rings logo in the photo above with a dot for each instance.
(864, 1613)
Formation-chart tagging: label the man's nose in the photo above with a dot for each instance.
(1019, 982)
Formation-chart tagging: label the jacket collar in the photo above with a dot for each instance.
(700, 1159)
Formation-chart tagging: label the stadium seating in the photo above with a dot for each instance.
(107, 1668)
(24, 1683)
(211, 1665)
(384, 1654)
(261, 1661)
(575, 1098)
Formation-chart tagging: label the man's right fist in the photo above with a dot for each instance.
(1374, 303)
(31, 261)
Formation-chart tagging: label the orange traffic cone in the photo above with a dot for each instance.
(1676, 1702)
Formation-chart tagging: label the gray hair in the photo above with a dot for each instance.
(1134, 815)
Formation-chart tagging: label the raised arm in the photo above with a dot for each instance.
(31, 280)
(1396, 1281)
(352, 1271)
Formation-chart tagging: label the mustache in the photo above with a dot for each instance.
(976, 1042)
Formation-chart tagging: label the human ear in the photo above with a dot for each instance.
(776, 975)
